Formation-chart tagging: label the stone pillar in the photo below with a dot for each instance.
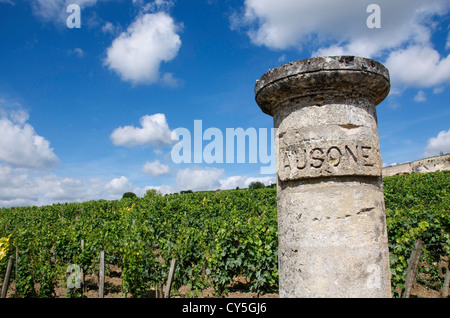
(331, 215)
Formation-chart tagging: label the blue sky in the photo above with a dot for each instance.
(88, 113)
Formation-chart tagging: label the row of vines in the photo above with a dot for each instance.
(216, 237)
(418, 208)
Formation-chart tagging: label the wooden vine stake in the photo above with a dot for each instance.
(7, 276)
(81, 270)
(16, 266)
(446, 282)
(101, 275)
(173, 265)
(159, 290)
(412, 267)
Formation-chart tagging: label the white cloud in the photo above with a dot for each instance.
(292, 23)
(20, 186)
(438, 90)
(61, 188)
(136, 55)
(9, 178)
(196, 179)
(77, 51)
(439, 144)
(163, 189)
(110, 28)
(420, 97)
(155, 169)
(18, 116)
(282, 58)
(167, 79)
(119, 186)
(20, 146)
(429, 68)
(157, 5)
(339, 28)
(244, 181)
(25, 187)
(154, 130)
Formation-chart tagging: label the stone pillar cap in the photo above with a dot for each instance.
(348, 77)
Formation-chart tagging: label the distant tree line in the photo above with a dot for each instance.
(153, 192)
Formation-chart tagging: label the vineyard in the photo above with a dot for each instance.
(216, 236)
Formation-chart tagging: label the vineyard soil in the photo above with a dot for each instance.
(113, 287)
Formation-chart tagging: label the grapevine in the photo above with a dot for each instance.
(216, 236)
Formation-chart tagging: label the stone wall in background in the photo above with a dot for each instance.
(433, 164)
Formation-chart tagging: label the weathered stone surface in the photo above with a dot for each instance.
(323, 79)
(304, 159)
(333, 240)
(331, 218)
